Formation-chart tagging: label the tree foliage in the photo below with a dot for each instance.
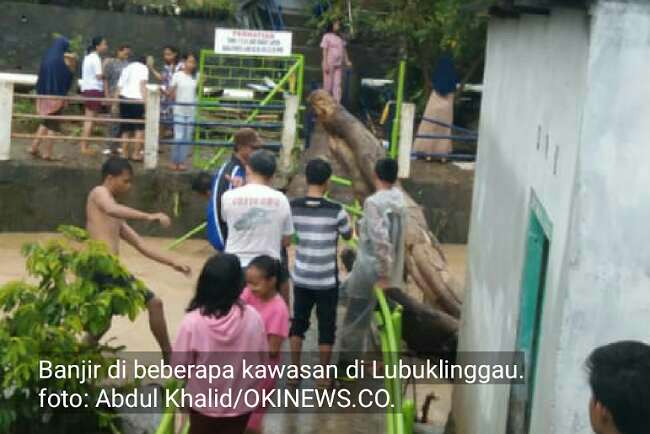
(48, 319)
(423, 30)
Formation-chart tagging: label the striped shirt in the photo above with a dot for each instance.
(318, 223)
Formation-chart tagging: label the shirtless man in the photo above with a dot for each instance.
(106, 221)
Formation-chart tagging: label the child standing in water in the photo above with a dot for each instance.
(263, 277)
(183, 90)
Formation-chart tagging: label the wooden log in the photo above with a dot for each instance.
(426, 331)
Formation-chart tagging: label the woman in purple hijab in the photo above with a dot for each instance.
(54, 79)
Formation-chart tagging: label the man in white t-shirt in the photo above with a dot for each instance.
(258, 216)
(132, 88)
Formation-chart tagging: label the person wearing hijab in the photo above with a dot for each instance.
(440, 107)
(54, 79)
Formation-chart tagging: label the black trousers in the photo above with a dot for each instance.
(326, 301)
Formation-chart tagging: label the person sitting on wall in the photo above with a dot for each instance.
(619, 376)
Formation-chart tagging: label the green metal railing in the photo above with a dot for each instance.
(218, 72)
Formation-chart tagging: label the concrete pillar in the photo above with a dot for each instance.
(151, 126)
(407, 121)
(6, 112)
(289, 131)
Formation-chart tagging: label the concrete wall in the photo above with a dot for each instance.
(27, 31)
(535, 77)
(608, 276)
(39, 197)
(578, 78)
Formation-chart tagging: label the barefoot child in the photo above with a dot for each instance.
(92, 86)
(106, 221)
(263, 277)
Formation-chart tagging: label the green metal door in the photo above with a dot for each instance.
(530, 316)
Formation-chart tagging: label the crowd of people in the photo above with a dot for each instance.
(241, 300)
(240, 304)
(122, 79)
(239, 310)
(116, 86)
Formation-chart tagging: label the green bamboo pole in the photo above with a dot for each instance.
(301, 77)
(398, 110)
(340, 180)
(187, 236)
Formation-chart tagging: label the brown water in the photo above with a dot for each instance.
(176, 290)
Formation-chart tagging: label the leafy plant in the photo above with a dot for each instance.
(25, 106)
(76, 43)
(49, 319)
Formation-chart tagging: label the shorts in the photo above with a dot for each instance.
(50, 107)
(95, 106)
(326, 301)
(53, 124)
(106, 280)
(132, 112)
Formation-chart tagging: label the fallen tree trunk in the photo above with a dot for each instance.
(427, 332)
(356, 149)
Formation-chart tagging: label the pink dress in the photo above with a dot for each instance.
(224, 341)
(333, 71)
(275, 315)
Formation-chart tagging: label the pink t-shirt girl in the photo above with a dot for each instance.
(223, 341)
(275, 316)
(335, 50)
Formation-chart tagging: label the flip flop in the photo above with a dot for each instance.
(35, 153)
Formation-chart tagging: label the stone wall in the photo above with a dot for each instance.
(37, 197)
(27, 32)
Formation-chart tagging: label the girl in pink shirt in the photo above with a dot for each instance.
(335, 57)
(219, 329)
(263, 279)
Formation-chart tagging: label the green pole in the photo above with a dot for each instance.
(398, 110)
(187, 236)
(301, 75)
(342, 181)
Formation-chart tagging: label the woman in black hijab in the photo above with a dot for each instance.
(54, 79)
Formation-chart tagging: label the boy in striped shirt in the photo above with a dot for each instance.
(318, 223)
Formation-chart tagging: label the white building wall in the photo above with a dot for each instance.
(609, 267)
(529, 134)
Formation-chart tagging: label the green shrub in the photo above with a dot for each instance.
(48, 320)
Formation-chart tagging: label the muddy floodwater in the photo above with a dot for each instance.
(176, 290)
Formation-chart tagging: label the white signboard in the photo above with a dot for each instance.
(252, 42)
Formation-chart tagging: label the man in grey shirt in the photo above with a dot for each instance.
(380, 258)
(112, 70)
